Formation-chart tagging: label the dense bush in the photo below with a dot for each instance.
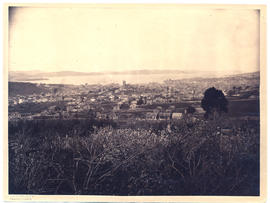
(197, 159)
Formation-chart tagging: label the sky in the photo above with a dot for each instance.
(116, 38)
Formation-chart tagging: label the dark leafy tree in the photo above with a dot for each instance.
(57, 108)
(231, 92)
(91, 113)
(190, 110)
(124, 106)
(214, 103)
(140, 101)
(55, 90)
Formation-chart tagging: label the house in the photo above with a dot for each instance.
(226, 131)
(254, 97)
(164, 116)
(30, 117)
(86, 106)
(124, 98)
(133, 105)
(151, 116)
(116, 107)
(177, 116)
(149, 101)
(44, 113)
(20, 101)
(11, 102)
(171, 99)
(44, 99)
(37, 115)
(112, 98)
(172, 107)
(113, 116)
(14, 115)
(101, 115)
(169, 110)
(199, 110)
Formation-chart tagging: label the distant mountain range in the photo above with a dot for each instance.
(39, 75)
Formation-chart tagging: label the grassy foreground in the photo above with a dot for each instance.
(83, 157)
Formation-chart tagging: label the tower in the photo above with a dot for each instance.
(124, 83)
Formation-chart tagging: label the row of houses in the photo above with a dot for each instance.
(163, 116)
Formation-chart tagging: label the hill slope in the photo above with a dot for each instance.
(24, 88)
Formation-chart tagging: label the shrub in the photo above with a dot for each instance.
(104, 160)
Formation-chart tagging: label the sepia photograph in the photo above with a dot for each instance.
(135, 100)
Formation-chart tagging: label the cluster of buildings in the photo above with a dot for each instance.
(34, 98)
(153, 101)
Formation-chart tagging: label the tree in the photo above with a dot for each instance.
(214, 102)
(141, 101)
(91, 114)
(188, 119)
(55, 90)
(231, 92)
(190, 110)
